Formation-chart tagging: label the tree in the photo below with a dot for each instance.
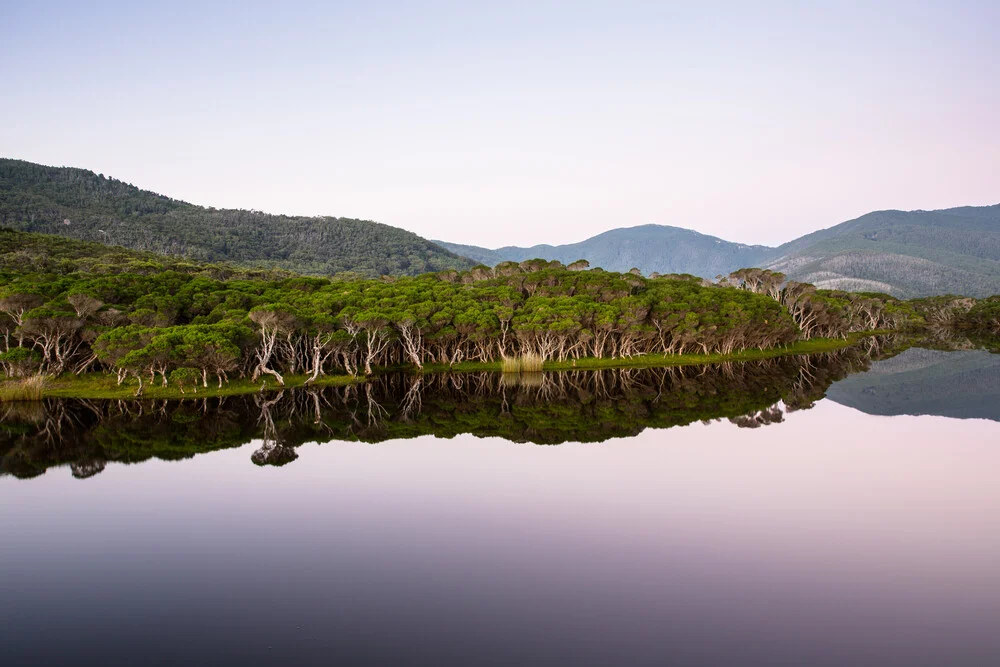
(20, 362)
(186, 377)
(84, 305)
(272, 321)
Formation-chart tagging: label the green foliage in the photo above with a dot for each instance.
(166, 326)
(19, 362)
(186, 377)
(22, 252)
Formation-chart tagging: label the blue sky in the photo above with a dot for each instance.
(518, 123)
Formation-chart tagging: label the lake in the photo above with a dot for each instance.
(839, 509)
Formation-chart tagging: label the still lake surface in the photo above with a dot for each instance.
(828, 510)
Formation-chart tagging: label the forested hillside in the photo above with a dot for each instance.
(83, 205)
(22, 252)
(649, 248)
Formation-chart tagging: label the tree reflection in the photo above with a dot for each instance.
(272, 452)
(765, 417)
(545, 408)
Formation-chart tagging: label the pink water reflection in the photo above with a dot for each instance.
(833, 538)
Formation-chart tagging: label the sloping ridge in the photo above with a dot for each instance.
(909, 254)
(80, 204)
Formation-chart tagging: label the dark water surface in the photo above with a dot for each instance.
(723, 515)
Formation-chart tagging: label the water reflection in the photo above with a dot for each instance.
(963, 384)
(823, 537)
(544, 408)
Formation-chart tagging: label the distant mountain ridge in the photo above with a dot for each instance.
(80, 204)
(908, 254)
(648, 248)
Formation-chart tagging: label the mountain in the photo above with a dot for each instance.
(648, 248)
(905, 253)
(83, 205)
(908, 254)
(963, 384)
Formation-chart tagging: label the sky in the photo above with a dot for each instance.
(510, 123)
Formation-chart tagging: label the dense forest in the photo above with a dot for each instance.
(145, 319)
(91, 207)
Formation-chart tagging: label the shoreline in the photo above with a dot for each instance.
(105, 387)
(101, 386)
(813, 346)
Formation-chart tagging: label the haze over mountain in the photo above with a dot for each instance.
(908, 254)
(83, 205)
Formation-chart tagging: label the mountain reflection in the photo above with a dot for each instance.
(543, 408)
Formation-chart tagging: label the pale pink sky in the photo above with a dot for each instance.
(519, 124)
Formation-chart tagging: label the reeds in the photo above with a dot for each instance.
(28, 389)
(522, 379)
(526, 363)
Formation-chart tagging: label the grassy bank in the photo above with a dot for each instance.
(23, 389)
(103, 386)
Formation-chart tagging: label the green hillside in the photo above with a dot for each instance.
(83, 205)
(31, 253)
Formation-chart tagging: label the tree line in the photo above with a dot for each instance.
(193, 324)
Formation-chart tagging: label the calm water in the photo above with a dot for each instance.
(729, 515)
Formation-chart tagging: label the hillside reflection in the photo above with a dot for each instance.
(546, 408)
